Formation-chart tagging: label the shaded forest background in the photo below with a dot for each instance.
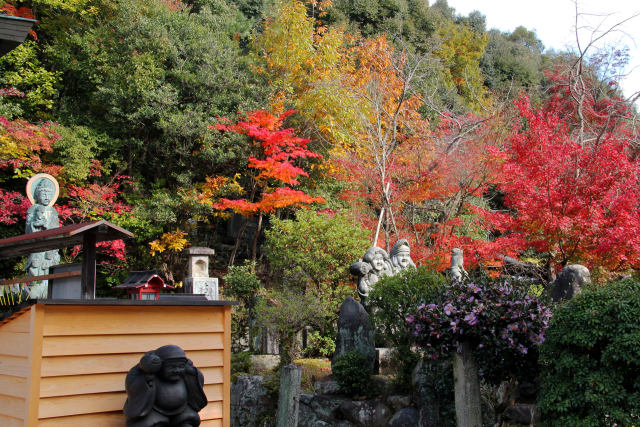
(170, 119)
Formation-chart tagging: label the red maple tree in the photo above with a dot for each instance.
(578, 202)
(273, 162)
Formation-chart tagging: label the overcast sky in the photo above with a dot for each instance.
(554, 23)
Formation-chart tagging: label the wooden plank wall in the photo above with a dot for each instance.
(87, 351)
(15, 348)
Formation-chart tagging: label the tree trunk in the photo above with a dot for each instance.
(254, 246)
(232, 258)
(467, 388)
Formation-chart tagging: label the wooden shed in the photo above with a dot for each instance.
(64, 362)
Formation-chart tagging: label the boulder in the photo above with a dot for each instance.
(405, 417)
(355, 332)
(570, 282)
(320, 411)
(249, 401)
(398, 402)
(366, 413)
(326, 385)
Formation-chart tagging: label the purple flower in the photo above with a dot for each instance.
(537, 338)
(411, 318)
(431, 306)
(522, 349)
(474, 287)
(448, 309)
(471, 319)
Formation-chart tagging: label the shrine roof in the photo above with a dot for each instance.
(61, 237)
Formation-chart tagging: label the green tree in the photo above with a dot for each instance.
(312, 255)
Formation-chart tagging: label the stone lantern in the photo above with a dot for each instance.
(198, 280)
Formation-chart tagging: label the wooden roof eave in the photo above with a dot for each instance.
(61, 237)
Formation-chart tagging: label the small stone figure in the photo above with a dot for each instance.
(164, 389)
(373, 266)
(401, 256)
(457, 271)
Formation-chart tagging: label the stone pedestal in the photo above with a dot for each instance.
(207, 286)
(198, 280)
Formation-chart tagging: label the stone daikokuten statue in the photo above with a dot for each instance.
(401, 256)
(376, 264)
(42, 191)
(370, 269)
(457, 271)
(164, 389)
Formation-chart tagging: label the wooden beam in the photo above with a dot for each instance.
(29, 279)
(89, 267)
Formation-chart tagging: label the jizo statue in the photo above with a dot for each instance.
(164, 389)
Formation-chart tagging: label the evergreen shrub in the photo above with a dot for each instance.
(590, 361)
(352, 373)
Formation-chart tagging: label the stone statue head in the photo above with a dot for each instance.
(401, 255)
(174, 362)
(44, 191)
(378, 258)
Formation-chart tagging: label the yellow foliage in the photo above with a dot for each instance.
(173, 241)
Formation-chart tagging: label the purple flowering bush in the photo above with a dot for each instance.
(503, 322)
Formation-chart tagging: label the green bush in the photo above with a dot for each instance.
(590, 361)
(352, 373)
(240, 364)
(395, 299)
(319, 345)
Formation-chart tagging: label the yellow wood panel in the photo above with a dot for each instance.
(211, 423)
(14, 366)
(35, 357)
(109, 419)
(226, 403)
(211, 411)
(81, 384)
(212, 375)
(67, 346)
(213, 392)
(12, 422)
(111, 363)
(13, 386)
(15, 343)
(104, 402)
(96, 320)
(85, 403)
(20, 323)
(103, 383)
(15, 407)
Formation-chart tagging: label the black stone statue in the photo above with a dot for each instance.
(164, 389)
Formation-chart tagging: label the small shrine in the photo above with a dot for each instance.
(144, 285)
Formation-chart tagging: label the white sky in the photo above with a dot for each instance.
(554, 23)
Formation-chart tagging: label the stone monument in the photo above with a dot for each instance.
(198, 280)
(42, 192)
(164, 389)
